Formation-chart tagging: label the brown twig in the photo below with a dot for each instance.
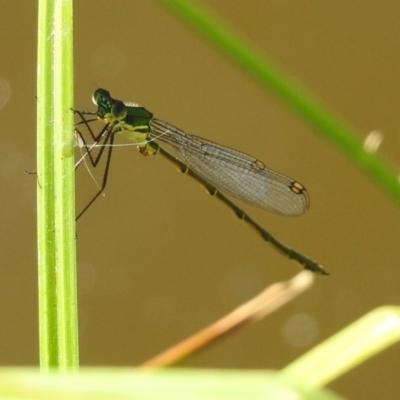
(257, 308)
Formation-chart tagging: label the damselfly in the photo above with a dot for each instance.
(217, 168)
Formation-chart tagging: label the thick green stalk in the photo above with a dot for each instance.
(58, 332)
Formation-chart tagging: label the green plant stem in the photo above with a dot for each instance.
(58, 329)
(362, 339)
(345, 138)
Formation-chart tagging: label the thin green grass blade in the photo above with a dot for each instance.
(243, 53)
(348, 348)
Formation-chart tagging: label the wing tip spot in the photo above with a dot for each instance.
(258, 165)
(297, 188)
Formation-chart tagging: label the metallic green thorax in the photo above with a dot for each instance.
(131, 120)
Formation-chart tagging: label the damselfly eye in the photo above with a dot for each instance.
(118, 110)
(99, 95)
